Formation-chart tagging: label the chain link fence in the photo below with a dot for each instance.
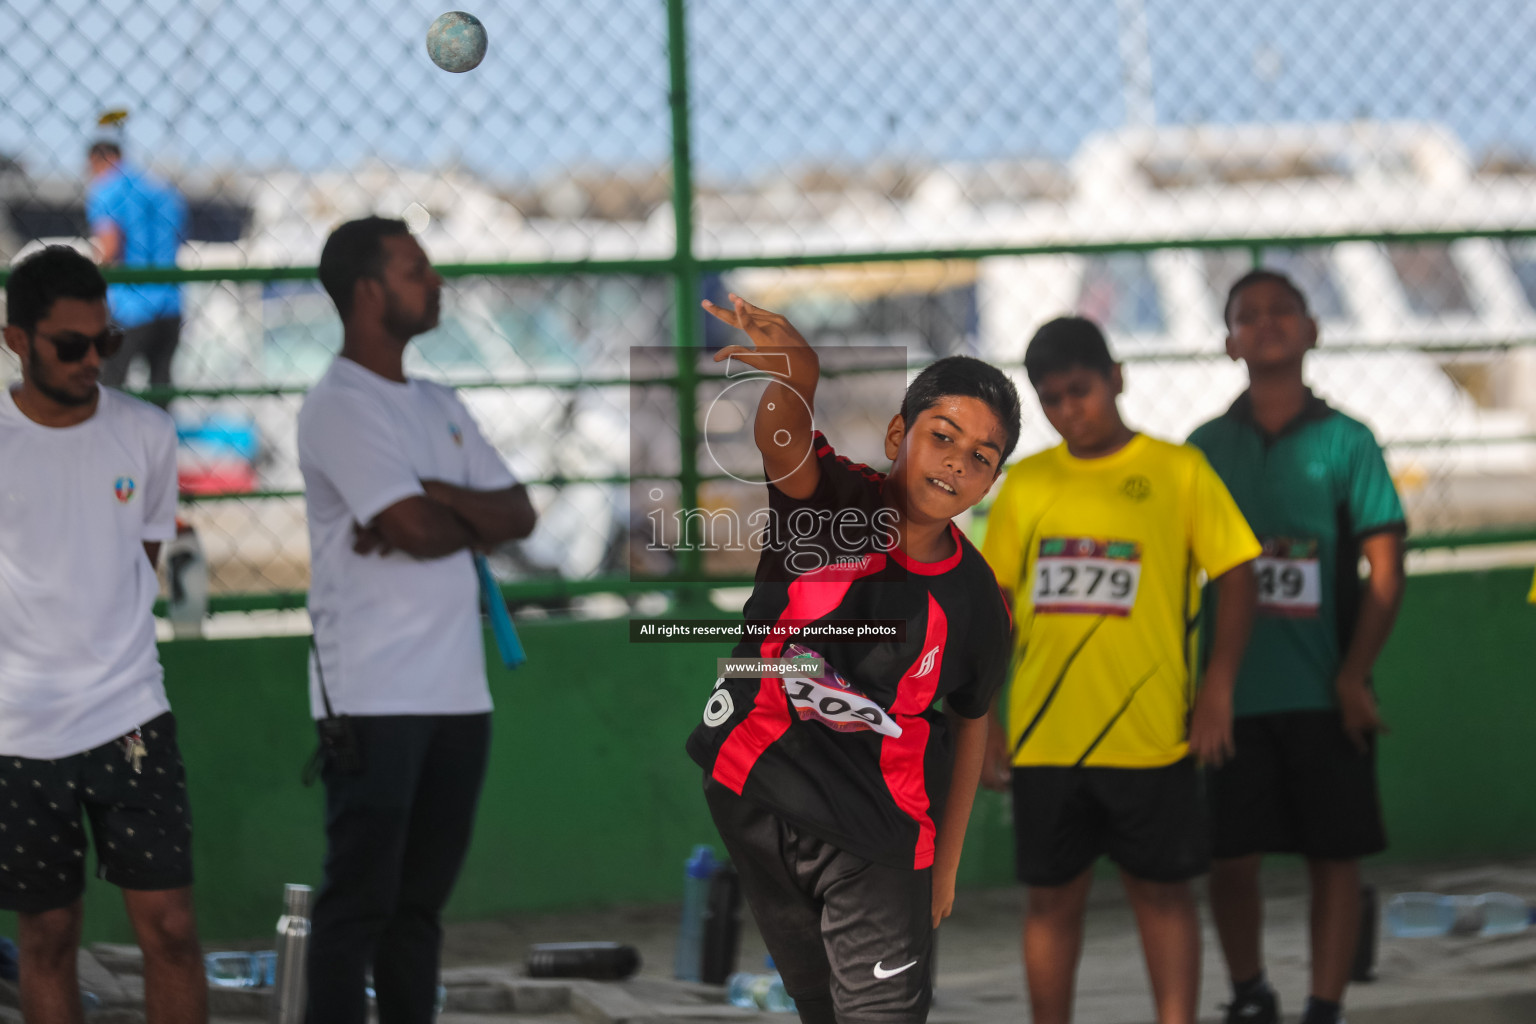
(934, 177)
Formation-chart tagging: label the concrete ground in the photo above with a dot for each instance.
(980, 981)
(1418, 981)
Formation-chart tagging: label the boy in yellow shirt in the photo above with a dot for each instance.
(1100, 542)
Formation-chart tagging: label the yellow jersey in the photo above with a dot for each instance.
(1101, 558)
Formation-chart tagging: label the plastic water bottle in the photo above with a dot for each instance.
(1418, 915)
(290, 989)
(1504, 914)
(776, 999)
(759, 992)
(698, 870)
(186, 571)
(264, 964)
(234, 970)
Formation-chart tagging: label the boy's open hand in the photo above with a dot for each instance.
(789, 356)
(997, 766)
(783, 427)
(1210, 726)
(943, 896)
(1357, 708)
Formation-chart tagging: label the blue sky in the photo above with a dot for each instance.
(260, 84)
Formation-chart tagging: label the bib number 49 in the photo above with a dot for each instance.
(1289, 587)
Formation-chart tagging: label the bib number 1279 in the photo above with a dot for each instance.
(1081, 576)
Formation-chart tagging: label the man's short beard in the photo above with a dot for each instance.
(401, 326)
(59, 395)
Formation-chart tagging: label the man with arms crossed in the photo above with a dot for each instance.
(400, 485)
(1313, 483)
(88, 486)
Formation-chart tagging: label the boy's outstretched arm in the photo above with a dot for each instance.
(1379, 602)
(1210, 727)
(970, 750)
(784, 424)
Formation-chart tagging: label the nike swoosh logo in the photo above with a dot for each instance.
(882, 973)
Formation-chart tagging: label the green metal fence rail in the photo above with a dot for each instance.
(684, 264)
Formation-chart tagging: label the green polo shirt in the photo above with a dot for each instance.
(1311, 493)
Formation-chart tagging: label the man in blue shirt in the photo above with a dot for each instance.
(137, 221)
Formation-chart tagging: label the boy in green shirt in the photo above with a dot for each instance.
(1313, 484)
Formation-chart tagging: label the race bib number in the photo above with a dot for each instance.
(828, 699)
(1290, 578)
(1083, 576)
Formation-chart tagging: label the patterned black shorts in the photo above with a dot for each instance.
(140, 820)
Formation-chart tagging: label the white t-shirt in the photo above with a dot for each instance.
(78, 664)
(396, 635)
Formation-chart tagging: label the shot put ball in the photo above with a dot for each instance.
(456, 42)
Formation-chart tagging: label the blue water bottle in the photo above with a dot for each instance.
(690, 935)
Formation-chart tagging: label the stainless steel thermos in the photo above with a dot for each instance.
(290, 991)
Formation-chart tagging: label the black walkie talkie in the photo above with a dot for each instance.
(338, 742)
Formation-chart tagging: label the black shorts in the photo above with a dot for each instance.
(1297, 785)
(1150, 821)
(140, 820)
(838, 925)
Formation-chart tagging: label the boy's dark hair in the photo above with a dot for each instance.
(53, 273)
(106, 150)
(968, 378)
(1064, 344)
(1257, 276)
(352, 252)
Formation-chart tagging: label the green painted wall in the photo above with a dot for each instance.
(1458, 770)
(590, 798)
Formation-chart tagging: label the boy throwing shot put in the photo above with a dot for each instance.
(1099, 540)
(1313, 483)
(843, 798)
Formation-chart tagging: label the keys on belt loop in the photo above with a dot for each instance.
(134, 750)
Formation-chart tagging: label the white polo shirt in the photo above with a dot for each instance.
(78, 664)
(396, 635)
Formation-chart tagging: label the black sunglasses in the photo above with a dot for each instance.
(71, 347)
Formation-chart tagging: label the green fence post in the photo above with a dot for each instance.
(685, 296)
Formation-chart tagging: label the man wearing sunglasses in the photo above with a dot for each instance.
(87, 496)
